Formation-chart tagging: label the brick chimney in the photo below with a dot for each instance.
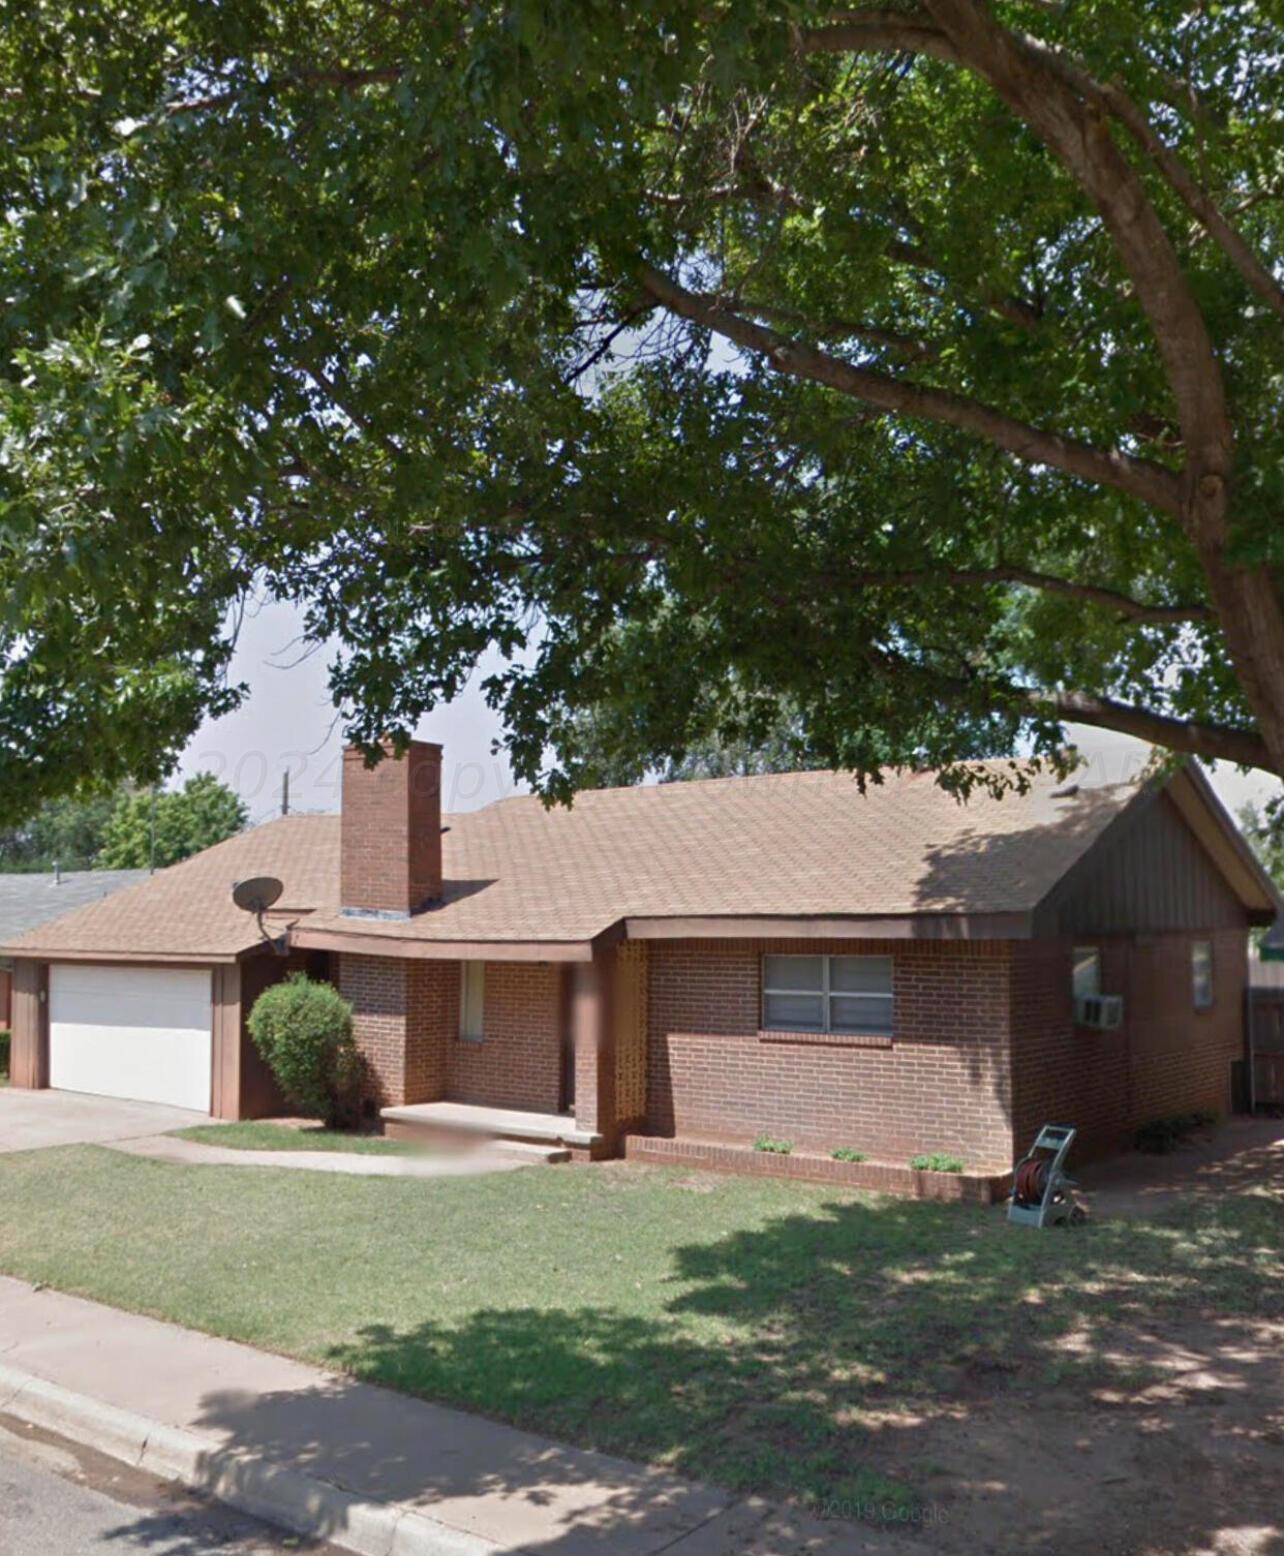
(390, 848)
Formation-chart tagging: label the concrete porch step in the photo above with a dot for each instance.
(530, 1152)
(553, 1129)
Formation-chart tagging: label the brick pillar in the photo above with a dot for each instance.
(400, 1014)
(592, 1031)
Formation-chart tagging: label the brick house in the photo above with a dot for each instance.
(675, 970)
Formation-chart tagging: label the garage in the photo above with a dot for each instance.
(143, 1033)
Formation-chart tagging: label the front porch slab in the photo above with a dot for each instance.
(490, 1123)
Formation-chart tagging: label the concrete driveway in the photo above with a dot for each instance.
(32, 1119)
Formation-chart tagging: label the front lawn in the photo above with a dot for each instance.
(771, 1336)
(257, 1135)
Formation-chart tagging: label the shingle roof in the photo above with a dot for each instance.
(786, 845)
(187, 910)
(790, 844)
(27, 900)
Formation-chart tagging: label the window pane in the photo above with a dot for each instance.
(1087, 970)
(861, 1013)
(794, 1012)
(793, 972)
(472, 1001)
(860, 974)
(1201, 973)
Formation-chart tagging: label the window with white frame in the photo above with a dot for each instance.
(827, 994)
(1201, 973)
(472, 1001)
(1086, 976)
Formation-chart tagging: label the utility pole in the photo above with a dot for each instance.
(285, 792)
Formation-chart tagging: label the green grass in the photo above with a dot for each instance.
(253, 1136)
(755, 1333)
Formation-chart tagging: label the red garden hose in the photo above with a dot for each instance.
(1031, 1180)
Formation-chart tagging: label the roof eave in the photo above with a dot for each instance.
(1014, 925)
(406, 947)
(37, 953)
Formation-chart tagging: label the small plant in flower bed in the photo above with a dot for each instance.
(773, 1147)
(1161, 1135)
(936, 1161)
(845, 1153)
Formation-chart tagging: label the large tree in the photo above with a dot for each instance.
(918, 365)
(152, 830)
(66, 832)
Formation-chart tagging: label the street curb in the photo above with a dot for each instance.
(297, 1501)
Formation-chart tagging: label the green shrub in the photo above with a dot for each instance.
(1158, 1136)
(845, 1153)
(936, 1161)
(304, 1032)
(775, 1147)
(4, 1055)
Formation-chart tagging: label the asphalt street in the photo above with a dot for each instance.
(58, 1499)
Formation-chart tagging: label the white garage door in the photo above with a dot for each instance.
(136, 1032)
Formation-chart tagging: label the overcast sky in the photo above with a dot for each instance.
(289, 721)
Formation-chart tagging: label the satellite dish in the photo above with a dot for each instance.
(257, 894)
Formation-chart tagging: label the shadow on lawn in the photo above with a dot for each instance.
(1030, 1391)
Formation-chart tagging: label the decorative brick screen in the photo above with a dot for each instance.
(630, 1030)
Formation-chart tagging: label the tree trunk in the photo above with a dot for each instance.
(1251, 616)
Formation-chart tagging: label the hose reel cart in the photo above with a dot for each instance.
(1041, 1186)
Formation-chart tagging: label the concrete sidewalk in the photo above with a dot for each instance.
(357, 1164)
(371, 1470)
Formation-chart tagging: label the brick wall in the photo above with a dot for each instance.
(518, 1062)
(1167, 1057)
(948, 1079)
(401, 1013)
(432, 1019)
(406, 1024)
(942, 1083)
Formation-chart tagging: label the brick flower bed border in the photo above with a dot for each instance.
(886, 1177)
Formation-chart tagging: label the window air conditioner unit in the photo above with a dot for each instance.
(1102, 1012)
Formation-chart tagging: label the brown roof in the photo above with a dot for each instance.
(794, 845)
(187, 910)
(790, 845)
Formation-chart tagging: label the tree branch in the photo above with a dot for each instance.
(344, 403)
(1138, 477)
(375, 75)
(890, 340)
(1188, 188)
(878, 31)
(1124, 605)
(1232, 243)
(1212, 742)
(1074, 130)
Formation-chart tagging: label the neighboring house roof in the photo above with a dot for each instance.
(33, 898)
(800, 848)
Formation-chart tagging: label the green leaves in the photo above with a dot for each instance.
(157, 829)
(345, 305)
